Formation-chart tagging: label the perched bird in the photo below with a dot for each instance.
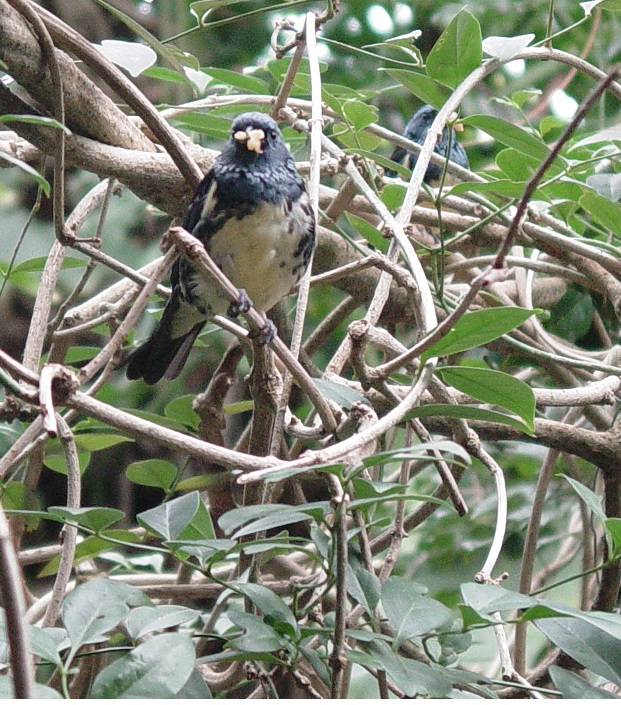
(416, 131)
(253, 215)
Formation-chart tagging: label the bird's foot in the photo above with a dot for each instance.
(242, 305)
(265, 334)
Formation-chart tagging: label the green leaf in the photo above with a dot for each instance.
(35, 120)
(492, 387)
(145, 620)
(392, 195)
(171, 518)
(96, 607)
(45, 643)
(573, 686)
(95, 518)
(37, 264)
(240, 81)
(364, 587)
(235, 518)
(486, 599)
(516, 165)
(274, 608)
(99, 441)
(213, 125)
(612, 527)
(259, 636)
(368, 232)
(41, 692)
(509, 134)
(415, 679)
(42, 182)
(194, 688)
(592, 647)
(478, 328)
(423, 87)
(590, 499)
(359, 114)
(572, 315)
(152, 473)
(457, 52)
(159, 668)
(467, 412)
(339, 393)
(90, 548)
(604, 211)
(180, 409)
(411, 615)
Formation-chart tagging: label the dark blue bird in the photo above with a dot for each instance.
(416, 131)
(253, 215)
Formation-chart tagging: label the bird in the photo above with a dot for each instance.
(252, 213)
(416, 131)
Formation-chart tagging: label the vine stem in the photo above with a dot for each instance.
(15, 609)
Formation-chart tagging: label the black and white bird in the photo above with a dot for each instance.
(253, 215)
(416, 130)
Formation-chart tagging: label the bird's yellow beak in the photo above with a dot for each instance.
(253, 138)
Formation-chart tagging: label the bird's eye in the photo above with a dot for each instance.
(271, 133)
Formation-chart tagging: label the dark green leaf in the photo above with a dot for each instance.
(88, 549)
(171, 518)
(195, 688)
(492, 387)
(359, 114)
(43, 183)
(573, 686)
(258, 637)
(592, 647)
(158, 668)
(460, 411)
(486, 599)
(41, 692)
(591, 500)
(603, 210)
(241, 81)
(180, 409)
(96, 607)
(457, 52)
(368, 232)
(95, 518)
(37, 264)
(410, 614)
(420, 85)
(572, 316)
(509, 134)
(339, 393)
(152, 473)
(274, 608)
(478, 328)
(144, 620)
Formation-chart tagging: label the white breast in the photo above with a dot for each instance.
(257, 254)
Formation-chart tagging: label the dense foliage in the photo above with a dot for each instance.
(428, 503)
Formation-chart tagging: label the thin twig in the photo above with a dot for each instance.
(15, 609)
(69, 533)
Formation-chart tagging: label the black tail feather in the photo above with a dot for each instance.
(161, 354)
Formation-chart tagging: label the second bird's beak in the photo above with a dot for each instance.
(253, 137)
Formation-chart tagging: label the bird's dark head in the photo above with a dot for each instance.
(419, 124)
(256, 137)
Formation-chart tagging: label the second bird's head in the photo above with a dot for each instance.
(256, 138)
